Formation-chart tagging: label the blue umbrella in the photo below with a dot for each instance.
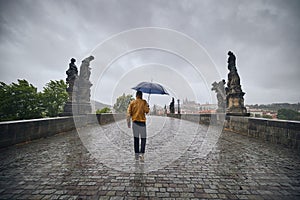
(150, 88)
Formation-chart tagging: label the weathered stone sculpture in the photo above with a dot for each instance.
(72, 76)
(79, 88)
(72, 73)
(219, 88)
(234, 93)
(84, 87)
(178, 110)
(172, 106)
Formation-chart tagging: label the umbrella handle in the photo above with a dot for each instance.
(149, 102)
(149, 99)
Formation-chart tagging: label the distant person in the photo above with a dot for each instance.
(136, 111)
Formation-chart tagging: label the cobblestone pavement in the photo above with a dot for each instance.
(238, 167)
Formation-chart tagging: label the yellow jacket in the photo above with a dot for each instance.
(137, 109)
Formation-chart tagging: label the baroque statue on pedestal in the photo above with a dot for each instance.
(79, 88)
(234, 93)
(72, 75)
(84, 80)
(219, 88)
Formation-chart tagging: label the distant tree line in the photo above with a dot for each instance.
(276, 106)
(21, 100)
(288, 114)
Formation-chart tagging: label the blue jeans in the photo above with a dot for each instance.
(139, 130)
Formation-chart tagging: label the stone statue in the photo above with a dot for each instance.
(72, 72)
(219, 88)
(178, 110)
(172, 106)
(79, 88)
(234, 93)
(84, 83)
(231, 60)
(85, 70)
(233, 77)
(72, 89)
(72, 75)
(84, 87)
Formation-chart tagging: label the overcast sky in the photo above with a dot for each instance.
(38, 39)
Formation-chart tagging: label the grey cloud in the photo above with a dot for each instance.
(37, 38)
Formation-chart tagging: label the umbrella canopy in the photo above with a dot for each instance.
(150, 88)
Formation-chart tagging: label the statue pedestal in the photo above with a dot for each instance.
(236, 105)
(83, 108)
(68, 109)
(238, 114)
(220, 110)
(75, 108)
(234, 93)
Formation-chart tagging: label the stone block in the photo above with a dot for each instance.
(216, 119)
(44, 128)
(292, 134)
(5, 135)
(205, 119)
(268, 137)
(106, 118)
(80, 120)
(14, 132)
(256, 121)
(19, 129)
(191, 117)
(239, 124)
(262, 128)
(293, 126)
(252, 126)
(277, 123)
(293, 144)
(120, 116)
(92, 119)
(252, 133)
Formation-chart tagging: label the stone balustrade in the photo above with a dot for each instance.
(15, 132)
(283, 132)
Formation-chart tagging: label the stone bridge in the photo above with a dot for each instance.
(184, 160)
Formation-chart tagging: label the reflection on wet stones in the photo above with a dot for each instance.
(238, 167)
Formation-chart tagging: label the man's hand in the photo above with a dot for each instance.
(128, 122)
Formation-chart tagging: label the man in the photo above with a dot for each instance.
(136, 111)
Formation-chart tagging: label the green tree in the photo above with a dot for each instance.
(257, 115)
(267, 116)
(103, 110)
(54, 97)
(288, 114)
(122, 103)
(19, 101)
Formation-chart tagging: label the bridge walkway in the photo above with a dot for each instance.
(97, 163)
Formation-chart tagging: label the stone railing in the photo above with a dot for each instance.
(286, 133)
(15, 132)
(198, 118)
(283, 132)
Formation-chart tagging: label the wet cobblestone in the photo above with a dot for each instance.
(238, 167)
